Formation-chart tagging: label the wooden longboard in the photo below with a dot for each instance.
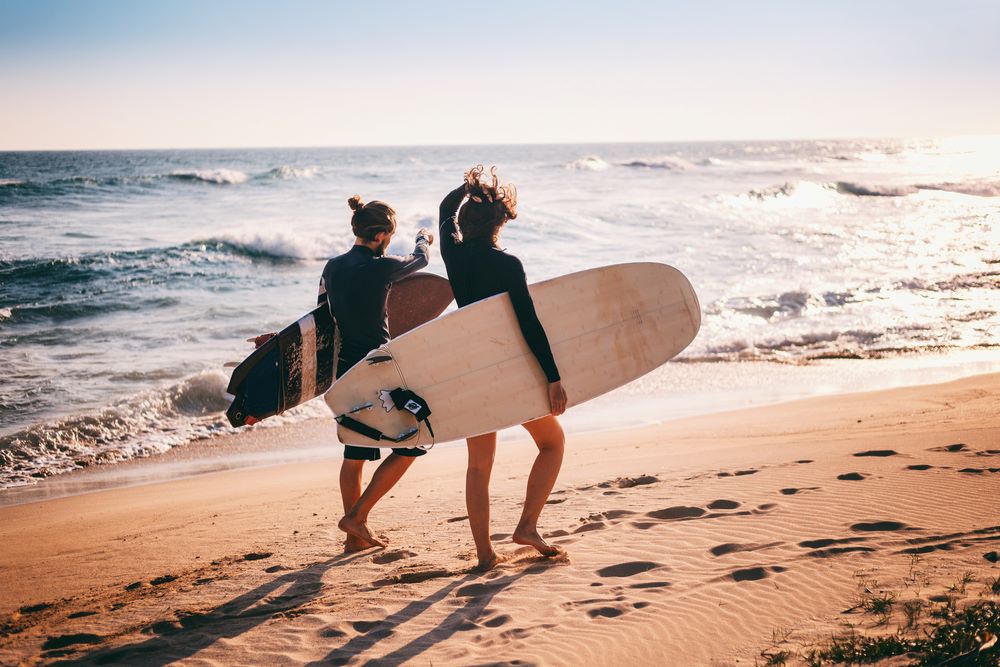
(298, 364)
(607, 327)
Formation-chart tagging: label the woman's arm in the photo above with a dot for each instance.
(531, 328)
(448, 212)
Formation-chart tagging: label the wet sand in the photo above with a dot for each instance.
(708, 540)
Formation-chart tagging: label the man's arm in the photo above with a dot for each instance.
(395, 268)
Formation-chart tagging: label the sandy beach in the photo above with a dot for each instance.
(713, 540)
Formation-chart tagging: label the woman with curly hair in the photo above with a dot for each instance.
(477, 269)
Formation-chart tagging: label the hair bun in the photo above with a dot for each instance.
(355, 203)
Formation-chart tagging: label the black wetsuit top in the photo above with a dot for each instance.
(356, 285)
(478, 269)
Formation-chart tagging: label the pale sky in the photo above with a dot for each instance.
(178, 73)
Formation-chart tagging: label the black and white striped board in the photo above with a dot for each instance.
(299, 363)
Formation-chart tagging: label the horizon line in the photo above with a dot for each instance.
(520, 143)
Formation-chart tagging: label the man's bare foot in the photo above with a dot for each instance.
(531, 538)
(488, 563)
(359, 530)
(353, 544)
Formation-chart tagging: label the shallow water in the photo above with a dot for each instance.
(128, 278)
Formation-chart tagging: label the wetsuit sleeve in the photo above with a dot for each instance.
(393, 268)
(531, 328)
(448, 212)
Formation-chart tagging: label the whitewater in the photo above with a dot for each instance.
(128, 278)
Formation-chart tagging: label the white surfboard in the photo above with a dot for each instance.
(607, 327)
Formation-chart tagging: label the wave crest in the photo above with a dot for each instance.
(147, 424)
(670, 162)
(213, 176)
(588, 163)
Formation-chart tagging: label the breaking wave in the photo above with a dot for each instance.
(149, 423)
(788, 190)
(588, 163)
(13, 187)
(671, 163)
(213, 176)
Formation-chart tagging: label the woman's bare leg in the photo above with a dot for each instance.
(482, 449)
(550, 440)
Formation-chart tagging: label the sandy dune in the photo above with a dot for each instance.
(707, 541)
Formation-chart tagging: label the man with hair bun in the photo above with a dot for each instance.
(356, 286)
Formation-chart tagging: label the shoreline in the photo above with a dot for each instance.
(719, 388)
(706, 535)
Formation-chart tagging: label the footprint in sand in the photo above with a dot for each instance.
(605, 612)
(738, 473)
(628, 569)
(733, 547)
(723, 505)
(792, 491)
(372, 629)
(392, 556)
(852, 476)
(754, 573)
(824, 548)
(414, 576)
(62, 641)
(269, 570)
(332, 632)
(676, 513)
(651, 584)
(765, 508)
(957, 447)
(879, 526)
(877, 452)
(629, 482)
(497, 621)
(591, 525)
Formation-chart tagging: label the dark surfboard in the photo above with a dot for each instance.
(298, 364)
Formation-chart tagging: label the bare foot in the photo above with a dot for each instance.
(353, 544)
(531, 538)
(359, 530)
(488, 563)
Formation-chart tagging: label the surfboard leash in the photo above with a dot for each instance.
(399, 398)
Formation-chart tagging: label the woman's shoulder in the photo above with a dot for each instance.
(507, 258)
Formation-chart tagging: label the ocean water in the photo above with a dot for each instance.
(127, 278)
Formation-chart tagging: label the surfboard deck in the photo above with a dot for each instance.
(299, 363)
(606, 326)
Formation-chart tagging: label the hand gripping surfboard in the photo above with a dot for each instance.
(474, 373)
(299, 363)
